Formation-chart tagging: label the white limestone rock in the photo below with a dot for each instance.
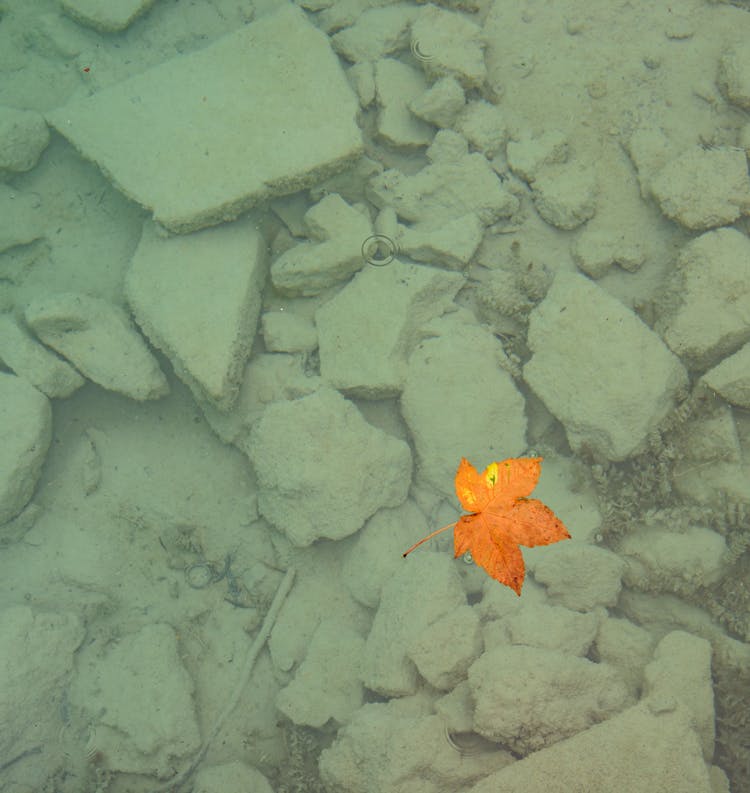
(730, 378)
(138, 698)
(704, 188)
(458, 636)
(291, 210)
(37, 656)
(713, 485)
(368, 330)
(552, 628)
(228, 141)
(599, 370)
(25, 434)
(528, 697)
(318, 596)
(565, 195)
(397, 85)
(528, 155)
(680, 676)
(627, 647)
(455, 183)
(100, 341)
(451, 244)
(109, 17)
(362, 78)
(375, 556)
(579, 576)
(595, 251)
(328, 683)
(672, 560)
(636, 751)
(491, 422)
(708, 437)
(427, 588)
(35, 363)
(484, 125)
(322, 469)
(650, 149)
(441, 103)
(285, 331)
(711, 318)
(451, 44)
(401, 746)
(377, 32)
(334, 253)
(733, 76)
(268, 378)
(457, 708)
(197, 298)
(23, 138)
(576, 504)
(661, 614)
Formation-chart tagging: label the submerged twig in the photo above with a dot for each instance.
(252, 654)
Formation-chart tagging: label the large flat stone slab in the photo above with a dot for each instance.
(262, 112)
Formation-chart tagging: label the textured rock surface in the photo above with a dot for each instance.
(99, 339)
(711, 318)
(322, 469)
(37, 652)
(106, 17)
(23, 137)
(458, 401)
(328, 683)
(34, 362)
(369, 329)
(427, 588)
(198, 299)
(25, 434)
(528, 697)
(138, 697)
(401, 746)
(702, 189)
(680, 676)
(603, 373)
(332, 255)
(636, 751)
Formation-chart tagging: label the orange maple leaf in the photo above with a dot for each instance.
(501, 517)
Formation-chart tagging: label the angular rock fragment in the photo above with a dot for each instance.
(367, 331)
(25, 434)
(704, 188)
(23, 138)
(34, 362)
(197, 298)
(602, 372)
(322, 469)
(334, 253)
(100, 341)
(708, 316)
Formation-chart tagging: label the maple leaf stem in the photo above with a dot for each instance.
(428, 537)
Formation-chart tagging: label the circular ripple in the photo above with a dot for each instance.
(418, 52)
(379, 250)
